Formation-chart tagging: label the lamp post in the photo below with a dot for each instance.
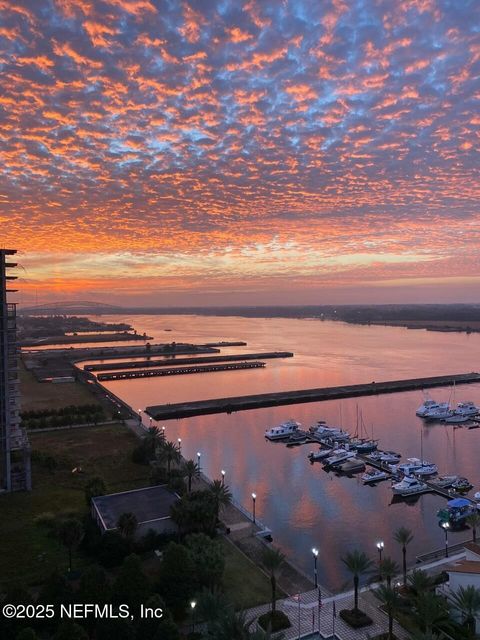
(380, 547)
(151, 421)
(446, 527)
(180, 445)
(193, 604)
(254, 497)
(223, 477)
(198, 460)
(315, 556)
(163, 433)
(140, 416)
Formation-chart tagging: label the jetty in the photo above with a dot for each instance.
(177, 371)
(141, 364)
(242, 403)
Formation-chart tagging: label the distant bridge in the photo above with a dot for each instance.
(69, 307)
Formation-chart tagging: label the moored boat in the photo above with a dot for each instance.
(283, 431)
(417, 467)
(456, 512)
(443, 482)
(354, 465)
(374, 475)
(462, 485)
(408, 486)
(321, 454)
(339, 455)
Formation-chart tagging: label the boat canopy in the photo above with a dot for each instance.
(459, 502)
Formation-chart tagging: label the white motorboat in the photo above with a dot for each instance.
(388, 457)
(443, 482)
(417, 467)
(321, 454)
(354, 465)
(441, 412)
(409, 486)
(322, 430)
(374, 475)
(340, 455)
(427, 406)
(283, 431)
(466, 409)
(462, 485)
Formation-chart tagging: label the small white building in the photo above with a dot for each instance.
(465, 573)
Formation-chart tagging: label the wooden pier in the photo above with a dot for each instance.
(242, 403)
(176, 371)
(141, 364)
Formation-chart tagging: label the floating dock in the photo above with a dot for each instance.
(141, 364)
(241, 403)
(176, 371)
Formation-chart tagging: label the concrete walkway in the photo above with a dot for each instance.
(303, 614)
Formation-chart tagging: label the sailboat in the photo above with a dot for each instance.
(360, 441)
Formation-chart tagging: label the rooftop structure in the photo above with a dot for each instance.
(15, 474)
(150, 506)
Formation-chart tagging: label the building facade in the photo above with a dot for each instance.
(15, 472)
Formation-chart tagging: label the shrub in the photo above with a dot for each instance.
(355, 619)
(275, 621)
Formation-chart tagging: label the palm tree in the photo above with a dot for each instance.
(430, 611)
(222, 495)
(152, 440)
(467, 601)
(171, 453)
(420, 581)
(70, 533)
(190, 470)
(388, 569)
(473, 521)
(93, 488)
(272, 560)
(404, 536)
(231, 626)
(357, 562)
(127, 525)
(391, 601)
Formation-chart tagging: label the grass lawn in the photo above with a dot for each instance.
(244, 584)
(44, 395)
(28, 553)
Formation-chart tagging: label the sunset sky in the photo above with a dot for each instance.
(226, 152)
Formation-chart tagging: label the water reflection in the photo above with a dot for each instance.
(302, 504)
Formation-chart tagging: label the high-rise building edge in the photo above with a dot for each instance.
(15, 471)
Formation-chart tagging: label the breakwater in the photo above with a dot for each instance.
(241, 403)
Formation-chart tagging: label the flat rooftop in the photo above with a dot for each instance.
(147, 504)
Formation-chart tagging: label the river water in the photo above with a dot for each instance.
(303, 505)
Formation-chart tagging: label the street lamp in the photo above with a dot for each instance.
(163, 433)
(151, 421)
(380, 547)
(193, 604)
(140, 415)
(315, 556)
(198, 459)
(180, 445)
(446, 527)
(254, 497)
(223, 477)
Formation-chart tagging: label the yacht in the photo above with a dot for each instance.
(321, 454)
(389, 457)
(354, 465)
(374, 475)
(417, 467)
(340, 455)
(440, 412)
(443, 482)
(322, 430)
(283, 431)
(409, 486)
(462, 484)
(363, 446)
(427, 406)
